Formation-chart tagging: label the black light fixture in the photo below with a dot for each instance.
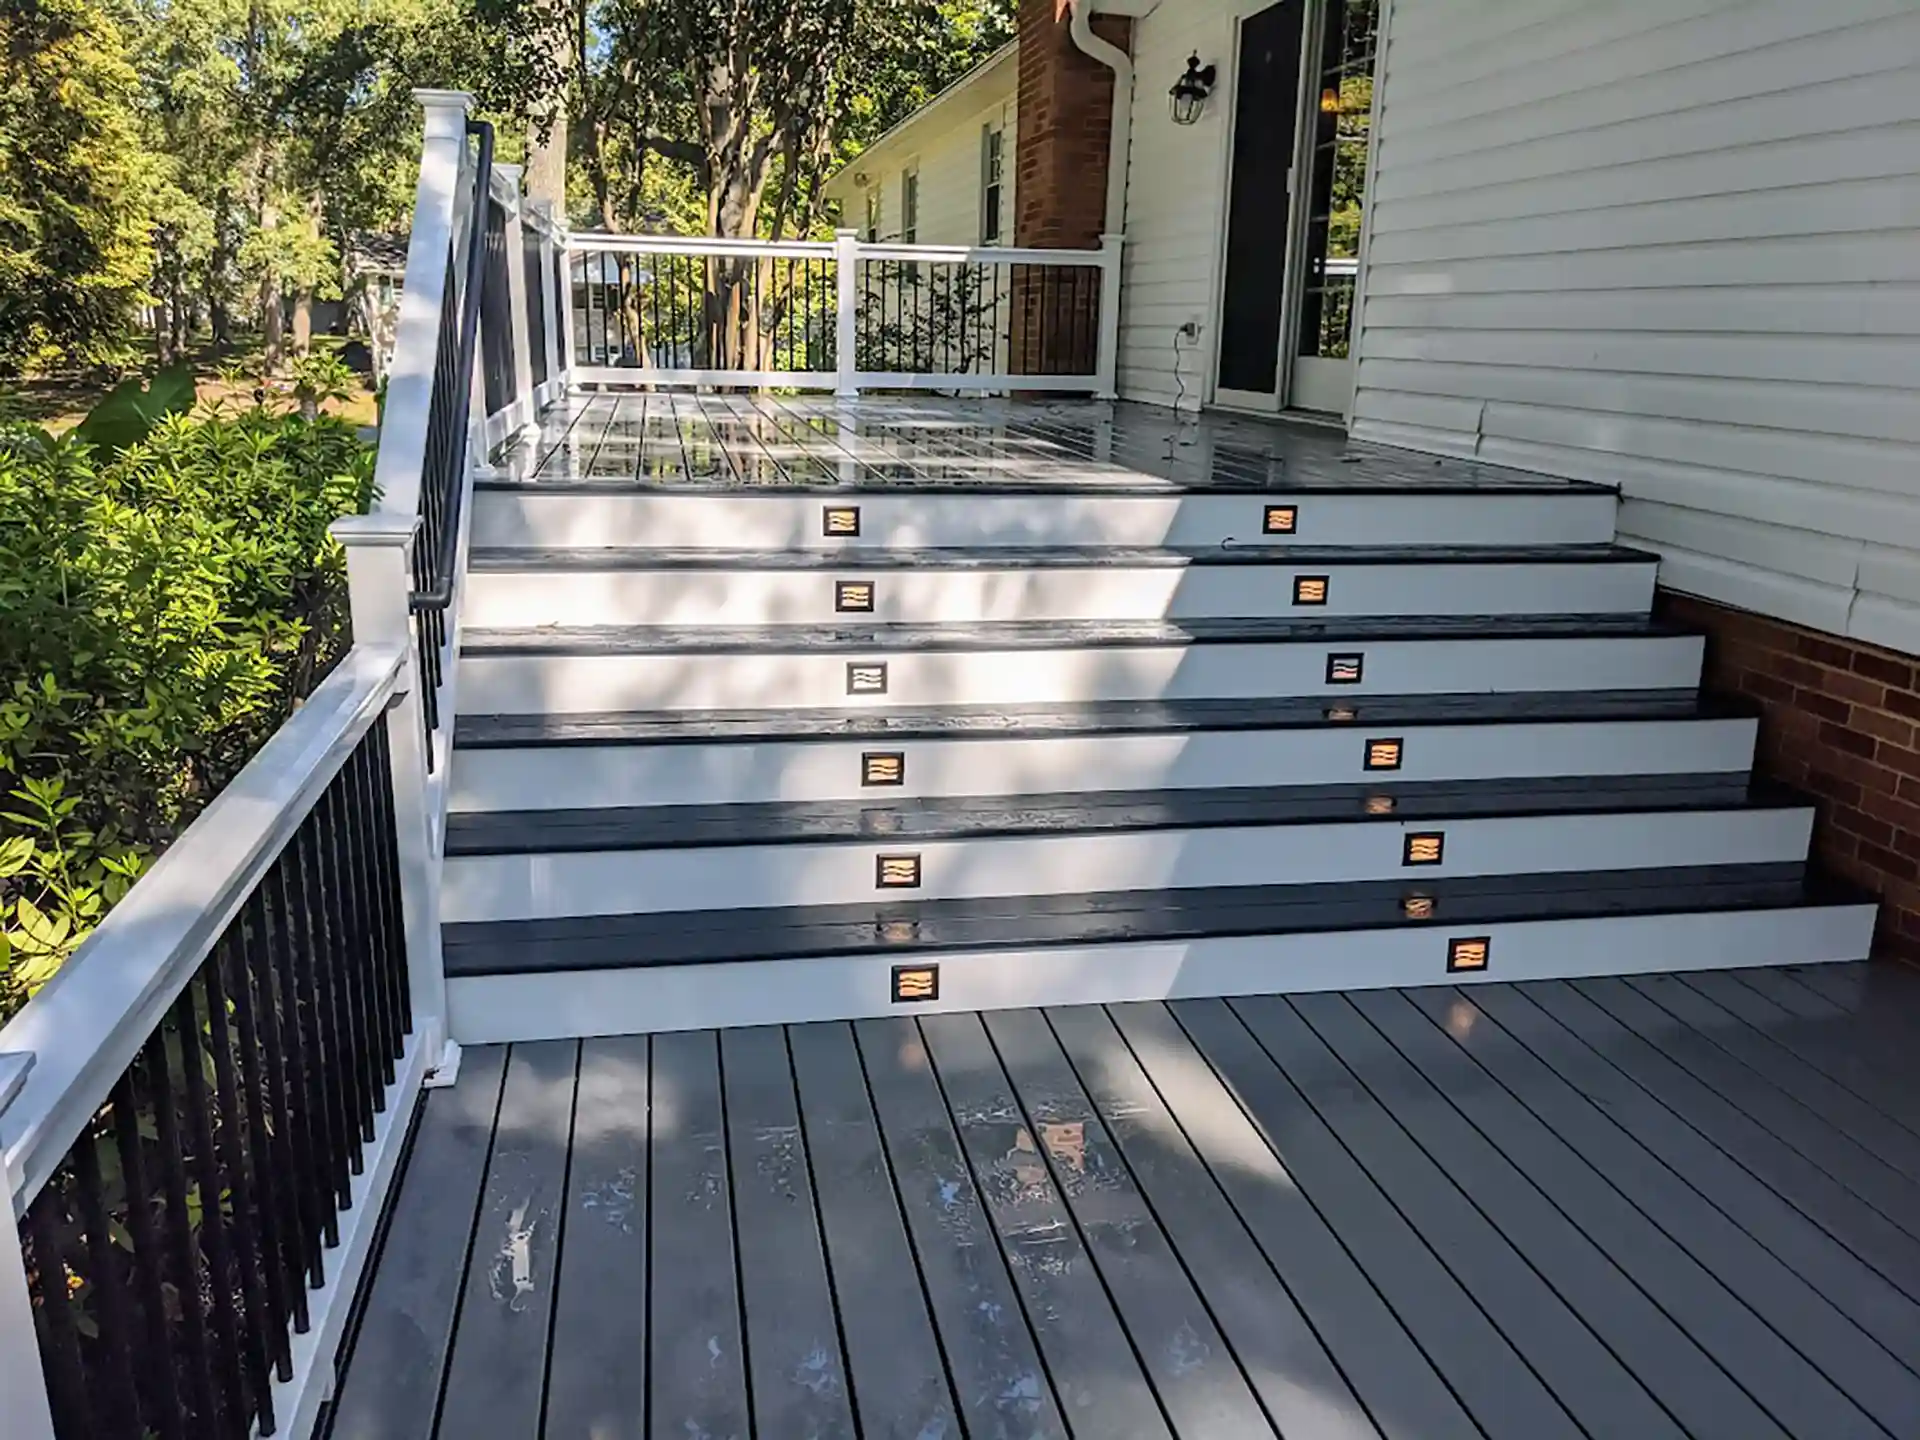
(1191, 90)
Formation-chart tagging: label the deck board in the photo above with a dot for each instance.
(1443, 1214)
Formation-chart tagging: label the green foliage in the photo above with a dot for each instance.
(161, 610)
(134, 407)
(75, 186)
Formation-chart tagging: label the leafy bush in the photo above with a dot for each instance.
(163, 606)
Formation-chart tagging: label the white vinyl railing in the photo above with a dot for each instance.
(844, 315)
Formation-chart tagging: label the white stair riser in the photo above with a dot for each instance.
(632, 882)
(506, 600)
(784, 522)
(532, 684)
(558, 1005)
(589, 776)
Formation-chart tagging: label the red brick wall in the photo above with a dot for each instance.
(1064, 115)
(1840, 721)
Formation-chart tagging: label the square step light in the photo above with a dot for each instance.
(1468, 954)
(1424, 848)
(866, 679)
(1345, 669)
(883, 767)
(1310, 589)
(913, 984)
(1385, 753)
(1280, 520)
(896, 872)
(840, 521)
(853, 597)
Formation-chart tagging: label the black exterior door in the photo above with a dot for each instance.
(1265, 109)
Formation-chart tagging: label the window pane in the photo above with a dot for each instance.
(1338, 184)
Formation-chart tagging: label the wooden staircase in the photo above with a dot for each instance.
(774, 710)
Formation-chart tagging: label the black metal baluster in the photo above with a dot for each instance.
(653, 355)
(339, 963)
(111, 1379)
(243, 1156)
(67, 1390)
(299, 1143)
(370, 971)
(178, 1222)
(229, 1375)
(163, 1388)
(366, 779)
(402, 978)
(322, 1056)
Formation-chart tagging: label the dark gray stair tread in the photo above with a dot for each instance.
(988, 475)
(1046, 634)
(919, 928)
(518, 558)
(960, 817)
(1093, 717)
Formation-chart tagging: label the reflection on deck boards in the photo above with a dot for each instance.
(1679, 1205)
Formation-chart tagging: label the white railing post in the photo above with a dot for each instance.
(23, 1381)
(520, 415)
(379, 580)
(846, 249)
(403, 425)
(549, 231)
(1106, 366)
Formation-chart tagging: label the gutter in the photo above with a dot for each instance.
(1120, 125)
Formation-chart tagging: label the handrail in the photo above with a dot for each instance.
(86, 1025)
(439, 594)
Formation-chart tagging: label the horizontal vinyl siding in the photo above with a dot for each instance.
(946, 151)
(1673, 247)
(1176, 203)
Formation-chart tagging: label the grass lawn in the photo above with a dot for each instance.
(61, 401)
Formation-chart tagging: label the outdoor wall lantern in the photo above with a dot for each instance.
(1191, 90)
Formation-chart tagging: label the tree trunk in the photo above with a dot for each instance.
(273, 321)
(302, 321)
(546, 174)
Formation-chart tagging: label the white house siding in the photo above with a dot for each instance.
(1672, 245)
(1176, 203)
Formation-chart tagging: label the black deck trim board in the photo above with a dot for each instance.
(497, 1373)
(873, 820)
(1000, 1379)
(1091, 718)
(597, 1372)
(1733, 1296)
(1817, 1295)
(1286, 1362)
(697, 1361)
(1851, 1221)
(1830, 1100)
(397, 1364)
(795, 1362)
(536, 560)
(1504, 1394)
(1191, 1366)
(1455, 1113)
(1551, 1331)
(952, 637)
(917, 929)
(895, 1365)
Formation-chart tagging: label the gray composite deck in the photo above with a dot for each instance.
(1654, 1207)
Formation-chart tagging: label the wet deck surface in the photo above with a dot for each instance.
(1671, 1206)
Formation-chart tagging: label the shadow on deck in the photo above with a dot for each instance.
(1672, 1206)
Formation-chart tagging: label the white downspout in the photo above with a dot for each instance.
(1120, 126)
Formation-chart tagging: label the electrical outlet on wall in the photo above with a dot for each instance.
(1190, 331)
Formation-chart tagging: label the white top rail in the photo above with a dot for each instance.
(591, 241)
(979, 254)
(86, 1026)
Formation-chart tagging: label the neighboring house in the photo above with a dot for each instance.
(1672, 247)
(376, 271)
(944, 175)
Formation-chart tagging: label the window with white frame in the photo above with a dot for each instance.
(993, 139)
(873, 213)
(909, 206)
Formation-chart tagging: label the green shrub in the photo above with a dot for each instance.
(162, 609)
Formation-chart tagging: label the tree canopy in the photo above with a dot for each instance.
(204, 163)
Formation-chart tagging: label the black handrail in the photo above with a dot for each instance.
(443, 490)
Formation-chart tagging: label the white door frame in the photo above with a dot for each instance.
(1302, 382)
